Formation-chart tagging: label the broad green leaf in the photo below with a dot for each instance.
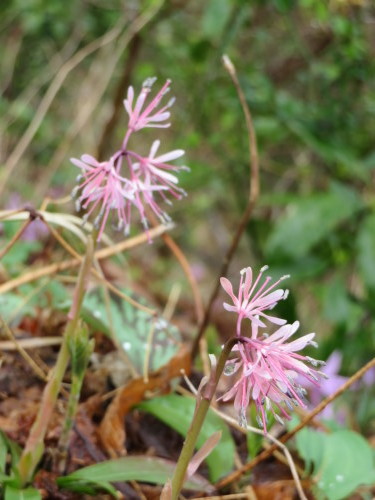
(215, 17)
(343, 460)
(10, 303)
(311, 219)
(366, 251)
(17, 256)
(25, 494)
(348, 462)
(139, 468)
(310, 446)
(177, 412)
(134, 330)
(337, 304)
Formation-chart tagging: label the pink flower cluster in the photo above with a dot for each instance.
(128, 179)
(268, 368)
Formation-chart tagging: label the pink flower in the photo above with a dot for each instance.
(129, 179)
(102, 188)
(139, 119)
(269, 367)
(154, 171)
(253, 297)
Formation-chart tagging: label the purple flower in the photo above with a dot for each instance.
(129, 179)
(328, 386)
(268, 369)
(254, 297)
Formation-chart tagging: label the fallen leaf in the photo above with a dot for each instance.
(111, 430)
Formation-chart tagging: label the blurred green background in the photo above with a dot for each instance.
(308, 71)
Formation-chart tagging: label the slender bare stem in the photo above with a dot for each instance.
(15, 238)
(253, 197)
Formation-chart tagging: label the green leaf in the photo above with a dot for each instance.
(19, 254)
(311, 219)
(343, 460)
(13, 447)
(366, 251)
(139, 468)
(3, 452)
(10, 303)
(215, 17)
(26, 494)
(177, 412)
(310, 445)
(134, 330)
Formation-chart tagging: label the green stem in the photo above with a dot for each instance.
(35, 442)
(203, 403)
(80, 350)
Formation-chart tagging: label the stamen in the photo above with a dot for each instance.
(149, 82)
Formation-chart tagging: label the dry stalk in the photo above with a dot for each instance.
(253, 197)
(72, 263)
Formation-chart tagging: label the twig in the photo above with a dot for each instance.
(15, 237)
(266, 453)
(33, 343)
(96, 273)
(184, 263)
(253, 197)
(72, 263)
(29, 360)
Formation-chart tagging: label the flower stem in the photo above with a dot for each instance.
(80, 349)
(35, 442)
(204, 399)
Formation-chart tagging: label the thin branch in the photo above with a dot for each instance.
(266, 453)
(72, 263)
(14, 238)
(29, 360)
(96, 273)
(184, 263)
(253, 197)
(33, 343)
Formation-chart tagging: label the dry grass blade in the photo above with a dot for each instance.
(15, 238)
(72, 263)
(34, 343)
(29, 360)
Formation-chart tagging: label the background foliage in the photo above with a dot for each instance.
(307, 69)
